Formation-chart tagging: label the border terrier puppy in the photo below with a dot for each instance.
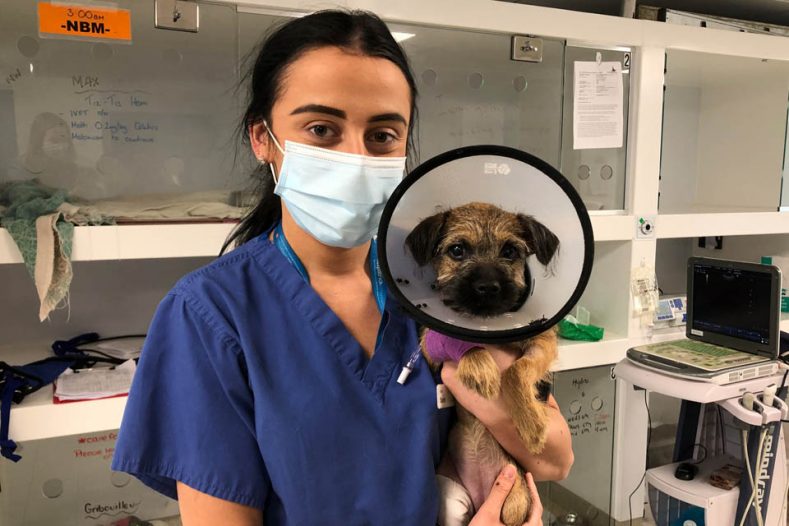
(479, 252)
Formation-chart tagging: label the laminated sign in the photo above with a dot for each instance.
(83, 22)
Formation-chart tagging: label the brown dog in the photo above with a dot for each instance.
(479, 252)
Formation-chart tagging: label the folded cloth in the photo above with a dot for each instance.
(52, 272)
(213, 204)
(41, 222)
(32, 220)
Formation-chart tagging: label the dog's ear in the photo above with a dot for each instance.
(542, 241)
(423, 240)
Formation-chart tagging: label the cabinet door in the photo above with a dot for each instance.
(101, 118)
(586, 398)
(68, 481)
(472, 92)
(724, 133)
(598, 174)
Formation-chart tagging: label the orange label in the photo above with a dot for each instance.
(84, 21)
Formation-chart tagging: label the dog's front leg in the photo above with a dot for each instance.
(477, 370)
(529, 415)
(519, 382)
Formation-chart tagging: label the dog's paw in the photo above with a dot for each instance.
(515, 510)
(478, 371)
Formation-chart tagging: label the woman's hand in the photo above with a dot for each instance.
(555, 460)
(489, 513)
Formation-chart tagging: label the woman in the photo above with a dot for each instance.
(267, 388)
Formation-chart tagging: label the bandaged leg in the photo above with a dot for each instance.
(455, 507)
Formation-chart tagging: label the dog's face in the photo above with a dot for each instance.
(479, 252)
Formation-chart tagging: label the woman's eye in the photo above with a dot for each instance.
(321, 131)
(382, 137)
(456, 251)
(509, 252)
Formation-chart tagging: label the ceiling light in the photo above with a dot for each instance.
(399, 37)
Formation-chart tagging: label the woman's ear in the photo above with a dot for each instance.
(260, 141)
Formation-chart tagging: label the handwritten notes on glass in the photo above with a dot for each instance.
(119, 115)
(589, 414)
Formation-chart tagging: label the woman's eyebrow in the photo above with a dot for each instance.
(319, 108)
(387, 117)
(328, 110)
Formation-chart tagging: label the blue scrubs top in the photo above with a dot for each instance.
(250, 389)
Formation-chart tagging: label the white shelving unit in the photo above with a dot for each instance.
(112, 242)
(721, 224)
(116, 242)
(619, 248)
(125, 242)
(37, 417)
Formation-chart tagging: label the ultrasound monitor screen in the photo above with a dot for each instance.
(732, 302)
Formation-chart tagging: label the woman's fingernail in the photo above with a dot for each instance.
(509, 472)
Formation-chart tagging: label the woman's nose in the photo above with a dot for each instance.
(354, 143)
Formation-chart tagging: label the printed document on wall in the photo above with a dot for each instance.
(598, 105)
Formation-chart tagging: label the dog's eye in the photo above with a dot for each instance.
(456, 251)
(509, 252)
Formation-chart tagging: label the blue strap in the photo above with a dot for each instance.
(282, 244)
(16, 383)
(64, 347)
(379, 287)
(10, 384)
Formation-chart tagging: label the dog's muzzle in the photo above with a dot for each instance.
(484, 291)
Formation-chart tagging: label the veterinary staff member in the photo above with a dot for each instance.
(267, 387)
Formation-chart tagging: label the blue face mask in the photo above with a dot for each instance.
(336, 197)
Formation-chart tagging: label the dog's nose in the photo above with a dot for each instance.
(487, 287)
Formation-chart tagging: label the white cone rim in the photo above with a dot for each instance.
(517, 182)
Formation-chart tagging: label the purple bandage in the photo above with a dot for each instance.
(443, 348)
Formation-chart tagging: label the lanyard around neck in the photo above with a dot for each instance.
(379, 287)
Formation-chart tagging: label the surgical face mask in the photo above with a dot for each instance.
(54, 149)
(336, 197)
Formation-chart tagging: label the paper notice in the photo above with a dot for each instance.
(598, 105)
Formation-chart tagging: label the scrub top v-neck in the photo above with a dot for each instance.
(252, 390)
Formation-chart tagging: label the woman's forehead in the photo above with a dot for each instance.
(357, 84)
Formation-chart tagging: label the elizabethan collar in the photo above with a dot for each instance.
(516, 182)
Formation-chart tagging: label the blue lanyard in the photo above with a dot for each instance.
(379, 287)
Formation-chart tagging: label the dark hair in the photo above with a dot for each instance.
(358, 31)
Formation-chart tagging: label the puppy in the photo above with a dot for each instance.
(479, 252)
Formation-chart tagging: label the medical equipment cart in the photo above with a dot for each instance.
(717, 418)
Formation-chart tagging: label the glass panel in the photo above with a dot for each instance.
(586, 398)
(68, 481)
(784, 204)
(724, 131)
(103, 119)
(480, 96)
(597, 174)
(471, 92)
